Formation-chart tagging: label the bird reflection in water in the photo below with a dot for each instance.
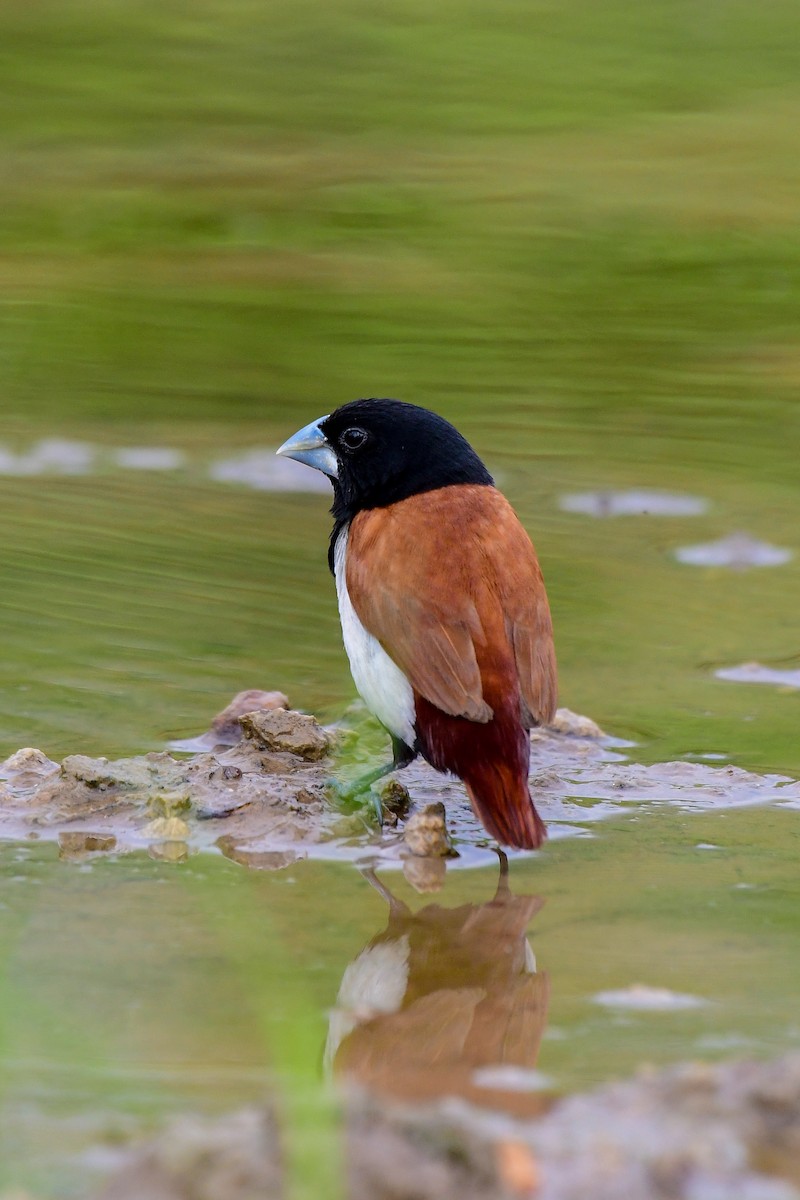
(445, 1001)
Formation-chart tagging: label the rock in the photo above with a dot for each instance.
(567, 722)
(425, 832)
(311, 801)
(283, 730)
(27, 770)
(132, 774)
(253, 784)
(169, 804)
(102, 774)
(27, 759)
(393, 1154)
(395, 799)
(685, 1131)
(226, 729)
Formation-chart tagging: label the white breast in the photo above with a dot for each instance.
(381, 684)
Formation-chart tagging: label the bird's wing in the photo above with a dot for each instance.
(531, 629)
(448, 583)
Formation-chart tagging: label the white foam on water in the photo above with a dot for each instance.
(148, 458)
(640, 997)
(50, 456)
(262, 470)
(508, 1078)
(635, 503)
(738, 552)
(754, 672)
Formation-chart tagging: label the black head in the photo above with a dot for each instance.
(387, 450)
(377, 452)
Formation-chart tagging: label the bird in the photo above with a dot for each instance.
(458, 987)
(443, 607)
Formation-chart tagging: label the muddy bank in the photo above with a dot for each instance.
(256, 788)
(687, 1133)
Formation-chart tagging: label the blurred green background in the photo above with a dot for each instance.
(569, 227)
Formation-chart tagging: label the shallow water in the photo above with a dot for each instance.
(135, 602)
(134, 989)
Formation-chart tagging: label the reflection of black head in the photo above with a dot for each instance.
(454, 987)
(387, 450)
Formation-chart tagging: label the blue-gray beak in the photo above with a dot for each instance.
(310, 446)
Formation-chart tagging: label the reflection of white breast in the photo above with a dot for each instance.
(381, 684)
(373, 985)
(376, 981)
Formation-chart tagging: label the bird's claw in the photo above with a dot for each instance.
(339, 793)
(350, 798)
(377, 807)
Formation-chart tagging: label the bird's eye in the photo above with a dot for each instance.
(352, 438)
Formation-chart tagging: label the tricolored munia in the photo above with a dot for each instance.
(443, 607)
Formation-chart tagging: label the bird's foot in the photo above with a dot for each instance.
(351, 799)
(359, 793)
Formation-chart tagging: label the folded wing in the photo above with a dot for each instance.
(449, 584)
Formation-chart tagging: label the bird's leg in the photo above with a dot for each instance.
(396, 907)
(402, 755)
(503, 889)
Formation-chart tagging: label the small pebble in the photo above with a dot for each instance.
(425, 832)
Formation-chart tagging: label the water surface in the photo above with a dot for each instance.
(134, 989)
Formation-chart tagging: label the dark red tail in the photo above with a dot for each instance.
(503, 804)
(493, 761)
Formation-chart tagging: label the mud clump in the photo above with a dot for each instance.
(226, 726)
(288, 732)
(101, 774)
(395, 801)
(269, 794)
(265, 793)
(27, 770)
(85, 787)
